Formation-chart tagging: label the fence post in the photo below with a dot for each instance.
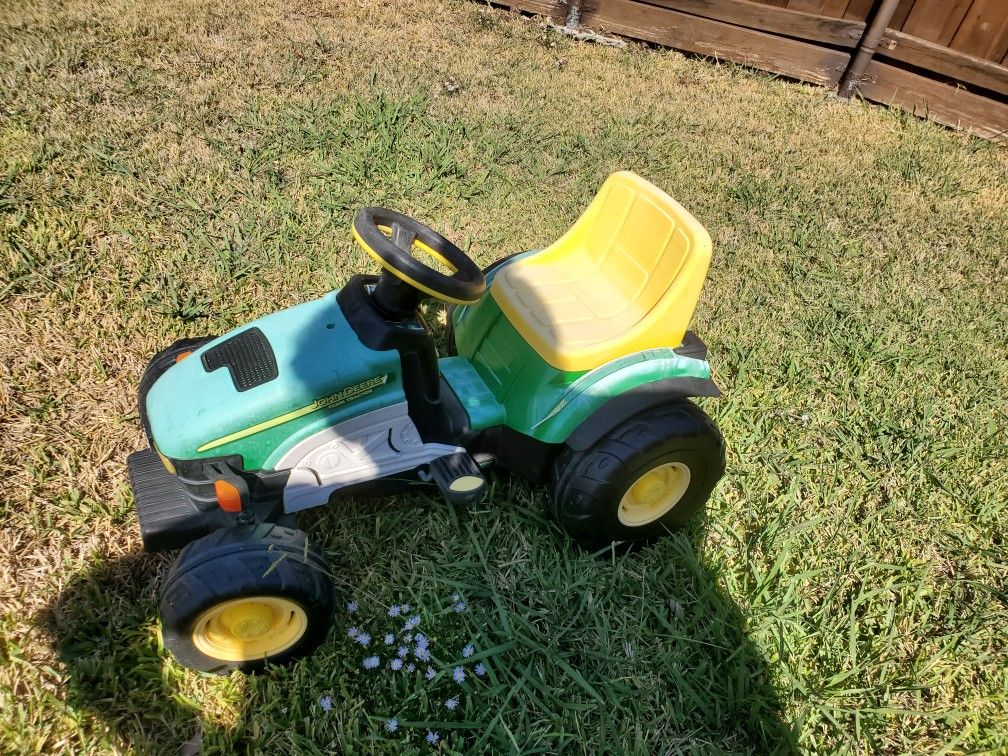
(866, 48)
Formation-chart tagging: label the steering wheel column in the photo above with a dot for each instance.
(395, 297)
(383, 313)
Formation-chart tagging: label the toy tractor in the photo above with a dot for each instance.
(572, 366)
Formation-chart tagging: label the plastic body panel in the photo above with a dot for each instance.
(625, 278)
(325, 376)
(168, 517)
(540, 400)
(478, 401)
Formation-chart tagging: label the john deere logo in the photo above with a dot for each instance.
(341, 397)
(349, 393)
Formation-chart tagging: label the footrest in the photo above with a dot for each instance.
(459, 478)
(168, 518)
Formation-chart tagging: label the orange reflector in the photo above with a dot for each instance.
(182, 355)
(228, 497)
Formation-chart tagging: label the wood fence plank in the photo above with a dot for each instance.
(902, 12)
(984, 30)
(835, 8)
(767, 18)
(789, 57)
(968, 69)
(550, 8)
(807, 6)
(931, 99)
(858, 10)
(936, 20)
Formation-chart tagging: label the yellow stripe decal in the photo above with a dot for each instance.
(349, 394)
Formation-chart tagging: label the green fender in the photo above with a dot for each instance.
(604, 397)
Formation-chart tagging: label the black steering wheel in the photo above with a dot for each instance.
(394, 239)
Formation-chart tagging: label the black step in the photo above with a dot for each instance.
(168, 519)
(459, 478)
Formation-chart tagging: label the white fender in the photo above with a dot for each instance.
(370, 446)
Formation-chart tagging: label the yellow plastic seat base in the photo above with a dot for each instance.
(626, 277)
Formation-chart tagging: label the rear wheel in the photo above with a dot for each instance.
(246, 596)
(649, 475)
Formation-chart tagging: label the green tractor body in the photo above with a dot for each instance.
(323, 376)
(324, 383)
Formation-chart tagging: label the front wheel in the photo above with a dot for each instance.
(649, 475)
(246, 596)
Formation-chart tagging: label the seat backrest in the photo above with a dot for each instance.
(640, 237)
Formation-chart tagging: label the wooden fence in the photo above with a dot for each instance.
(941, 59)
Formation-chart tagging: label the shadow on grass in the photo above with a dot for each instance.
(661, 647)
(103, 628)
(636, 650)
(722, 688)
(702, 684)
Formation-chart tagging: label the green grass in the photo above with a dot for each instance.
(179, 168)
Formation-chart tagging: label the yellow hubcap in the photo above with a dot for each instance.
(653, 494)
(249, 628)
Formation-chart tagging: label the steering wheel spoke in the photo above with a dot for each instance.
(403, 237)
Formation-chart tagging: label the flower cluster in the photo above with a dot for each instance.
(409, 650)
(361, 637)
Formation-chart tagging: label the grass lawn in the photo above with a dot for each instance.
(177, 168)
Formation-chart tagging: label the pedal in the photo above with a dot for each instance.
(459, 478)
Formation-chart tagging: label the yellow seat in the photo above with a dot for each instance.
(626, 277)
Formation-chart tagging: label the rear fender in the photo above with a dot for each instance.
(634, 402)
(602, 398)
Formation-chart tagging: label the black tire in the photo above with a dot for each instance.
(589, 485)
(242, 562)
(159, 363)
